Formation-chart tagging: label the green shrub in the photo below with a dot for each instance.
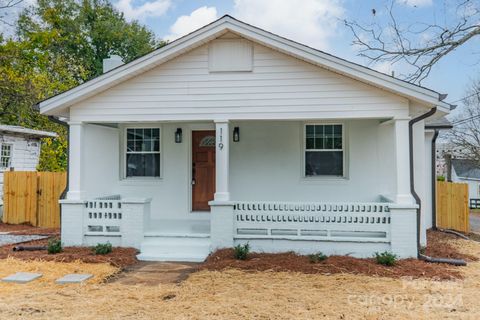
(54, 246)
(102, 248)
(317, 257)
(386, 258)
(440, 178)
(240, 252)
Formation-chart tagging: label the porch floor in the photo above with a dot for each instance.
(197, 228)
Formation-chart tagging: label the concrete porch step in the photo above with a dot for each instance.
(178, 247)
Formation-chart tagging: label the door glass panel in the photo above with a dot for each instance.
(208, 141)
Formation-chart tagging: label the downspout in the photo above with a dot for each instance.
(434, 179)
(411, 123)
(418, 201)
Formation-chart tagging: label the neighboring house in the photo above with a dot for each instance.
(19, 149)
(231, 135)
(444, 149)
(468, 171)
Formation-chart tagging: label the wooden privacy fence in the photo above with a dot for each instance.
(452, 206)
(32, 197)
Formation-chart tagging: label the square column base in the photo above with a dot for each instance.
(403, 230)
(221, 224)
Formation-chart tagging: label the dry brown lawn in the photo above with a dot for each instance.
(235, 294)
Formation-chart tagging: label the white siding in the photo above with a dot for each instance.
(101, 159)
(279, 87)
(428, 180)
(24, 155)
(420, 175)
(386, 167)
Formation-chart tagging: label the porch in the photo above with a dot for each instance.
(358, 228)
(262, 193)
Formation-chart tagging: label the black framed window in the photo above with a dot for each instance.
(324, 150)
(143, 152)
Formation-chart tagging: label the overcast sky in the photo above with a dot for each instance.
(317, 23)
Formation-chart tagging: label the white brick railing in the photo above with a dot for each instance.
(312, 221)
(118, 220)
(103, 216)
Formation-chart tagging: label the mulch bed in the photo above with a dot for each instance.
(119, 257)
(438, 247)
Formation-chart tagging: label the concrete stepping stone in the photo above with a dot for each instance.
(22, 277)
(74, 278)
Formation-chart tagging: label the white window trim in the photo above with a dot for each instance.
(9, 158)
(123, 164)
(344, 149)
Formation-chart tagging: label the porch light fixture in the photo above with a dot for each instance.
(178, 135)
(236, 134)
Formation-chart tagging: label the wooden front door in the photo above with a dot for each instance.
(203, 169)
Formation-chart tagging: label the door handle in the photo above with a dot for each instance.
(193, 182)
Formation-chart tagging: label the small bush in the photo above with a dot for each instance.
(440, 178)
(386, 258)
(54, 246)
(317, 257)
(102, 248)
(240, 252)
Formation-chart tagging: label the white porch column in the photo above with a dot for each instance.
(76, 163)
(222, 133)
(402, 162)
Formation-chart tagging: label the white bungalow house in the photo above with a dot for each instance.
(232, 134)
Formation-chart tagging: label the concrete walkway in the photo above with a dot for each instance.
(155, 273)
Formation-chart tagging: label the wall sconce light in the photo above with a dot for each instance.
(236, 134)
(178, 135)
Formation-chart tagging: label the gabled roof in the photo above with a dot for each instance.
(467, 169)
(26, 131)
(428, 97)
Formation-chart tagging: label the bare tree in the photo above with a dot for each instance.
(5, 6)
(466, 131)
(420, 45)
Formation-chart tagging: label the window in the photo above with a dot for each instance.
(324, 150)
(5, 156)
(143, 152)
